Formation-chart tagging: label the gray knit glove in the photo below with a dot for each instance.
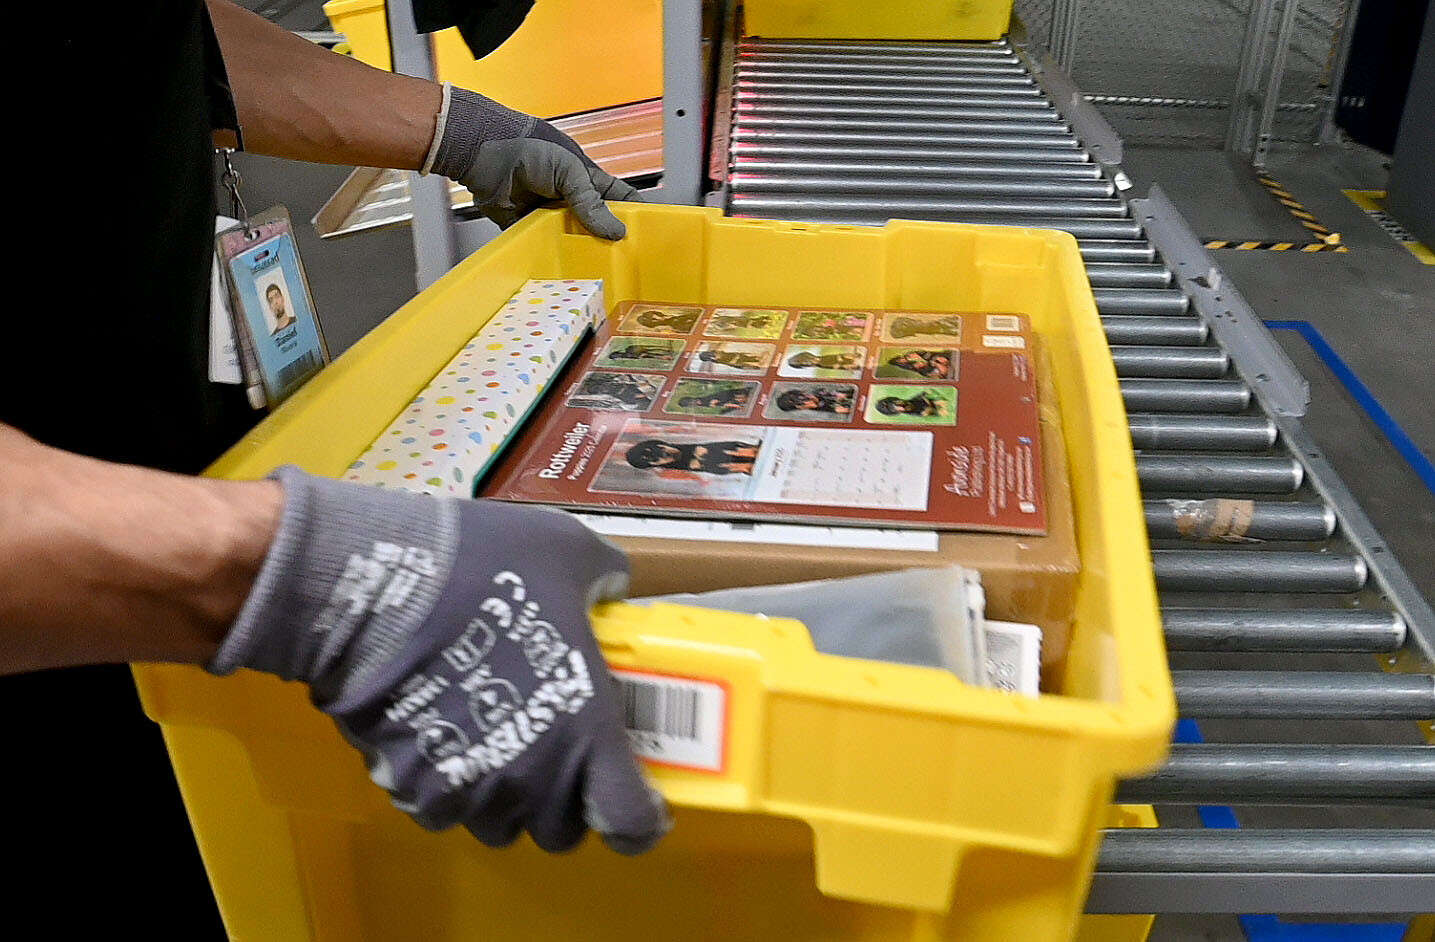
(513, 162)
(450, 641)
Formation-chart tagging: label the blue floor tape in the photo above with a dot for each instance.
(1272, 928)
(1396, 435)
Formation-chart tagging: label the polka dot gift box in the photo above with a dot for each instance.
(454, 427)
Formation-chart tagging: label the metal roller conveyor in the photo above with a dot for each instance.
(897, 59)
(1183, 395)
(1287, 775)
(1217, 474)
(1201, 432)
(1078, 210)
(762, 181)
(777, 68)
(1316, 630)
(1108, 275)
(1304, 695)
(891, 168)
(1226, 520)
(1101, 250)
(1145, 301)
(1168, 362)
(995, 47)
(769, 53)
(762, 97)
(1155, 331)
(758, 109)
(860, 132)
(999, 87)
(1019, 85)
(875, 211)
(762, 147)
(895, 138)
(1247, 850)
(1032, 129)
(1220, 570)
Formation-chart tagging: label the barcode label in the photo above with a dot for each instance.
(1000, 340)
(296, 371)
(674, 721)
(1007, 322)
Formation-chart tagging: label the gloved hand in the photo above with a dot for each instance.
(513, 162)
(449, 639)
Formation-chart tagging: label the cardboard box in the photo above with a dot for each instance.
(1026, 578)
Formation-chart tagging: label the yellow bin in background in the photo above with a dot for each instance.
(860, 800)
(877, 19)
(568, 56)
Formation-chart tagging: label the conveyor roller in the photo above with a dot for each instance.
(1155, 331)
(1238, 520)
(1180, 395)
(1206, 432)
(1313, 630)
(1287, 775)
(1220, 570)
(1216, 474)
(1299, 695)
(1178, 850)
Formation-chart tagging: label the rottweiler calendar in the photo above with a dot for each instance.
(885, 418)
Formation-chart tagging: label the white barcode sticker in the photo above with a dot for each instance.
(999, 340)
(674, 721)
(1007, 322)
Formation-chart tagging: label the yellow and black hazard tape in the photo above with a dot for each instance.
(1325, 240)
(1276, 246)
(1302, 215)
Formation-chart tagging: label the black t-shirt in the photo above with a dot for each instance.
(104, 351)
(118, 330)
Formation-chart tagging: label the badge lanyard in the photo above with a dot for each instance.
(277, 333)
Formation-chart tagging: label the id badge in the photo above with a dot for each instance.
(281, 344)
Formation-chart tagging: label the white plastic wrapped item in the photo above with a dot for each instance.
(927, 617)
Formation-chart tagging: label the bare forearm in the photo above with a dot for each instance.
(103, 563)
(301, 101)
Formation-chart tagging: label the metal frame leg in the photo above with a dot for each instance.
(1258, 85)
(1270, 101)
(434, 242)
(1061, 40)
(682, 103)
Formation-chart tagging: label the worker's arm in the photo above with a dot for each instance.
(449, 639)
(110, 563)
(296, 99)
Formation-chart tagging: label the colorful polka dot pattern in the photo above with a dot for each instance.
(447, 436)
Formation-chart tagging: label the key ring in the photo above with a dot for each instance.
(231, 180)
